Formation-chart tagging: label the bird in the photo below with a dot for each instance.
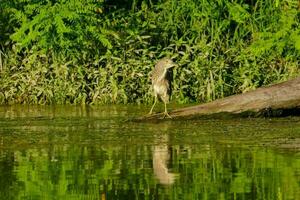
(161, 82)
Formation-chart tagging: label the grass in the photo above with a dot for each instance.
(222, 47)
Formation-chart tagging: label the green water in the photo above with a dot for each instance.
(93, 153)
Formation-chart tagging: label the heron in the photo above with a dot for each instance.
(161, 82)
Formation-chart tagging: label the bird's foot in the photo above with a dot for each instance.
(150, 113)
(166, 115)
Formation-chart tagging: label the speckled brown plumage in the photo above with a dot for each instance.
(161, 82)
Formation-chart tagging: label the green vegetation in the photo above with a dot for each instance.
(96, 51)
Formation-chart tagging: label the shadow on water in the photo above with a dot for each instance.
(69, 152)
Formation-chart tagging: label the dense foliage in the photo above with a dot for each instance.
(97, 51)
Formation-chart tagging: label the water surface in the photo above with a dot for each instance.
(68, 152)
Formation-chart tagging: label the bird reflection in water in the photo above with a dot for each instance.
(161, 157)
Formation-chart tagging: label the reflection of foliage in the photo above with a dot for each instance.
(51, 152)
(8, 184)
(125, 171)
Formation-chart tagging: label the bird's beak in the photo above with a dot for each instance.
(173, 65)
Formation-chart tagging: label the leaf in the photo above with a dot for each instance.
(238, 13)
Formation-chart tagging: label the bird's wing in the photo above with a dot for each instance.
(169, 77)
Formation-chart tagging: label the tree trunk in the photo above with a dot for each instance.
(279, 99)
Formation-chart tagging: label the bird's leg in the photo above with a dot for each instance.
(166, 114)
(153, 105)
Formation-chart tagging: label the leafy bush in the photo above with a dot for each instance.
(102, 51)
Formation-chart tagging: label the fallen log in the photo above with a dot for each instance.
(279, 99)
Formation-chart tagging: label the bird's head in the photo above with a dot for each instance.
(161, 69)
(167, 63)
